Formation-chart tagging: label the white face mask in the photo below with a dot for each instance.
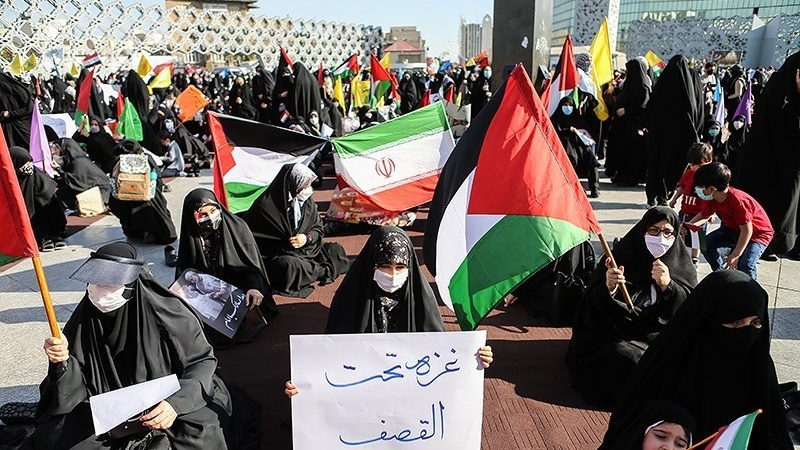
(314, 121)
(305, 194)
(658, 245)
(106, 298)
(170, 126)
(390, 283)
(94, 129)
(738, 124)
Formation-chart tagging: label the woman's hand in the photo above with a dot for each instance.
(291, 390)
(57, 350)
(614, 277)
(298, 241)
(621, 112)
(660, 274)
(485, 356)
(509, 300)
(253, 298)
(161, 417)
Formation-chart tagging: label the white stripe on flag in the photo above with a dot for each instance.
(725, 440)
(258, 166)
(451, 241)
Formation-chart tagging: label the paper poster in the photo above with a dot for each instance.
(62, 124)
(349, 206)
(190, 102)
(459, 118)
(387, 391)
(115, 407)
(219, 304)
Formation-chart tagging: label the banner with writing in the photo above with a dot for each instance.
(387, 391)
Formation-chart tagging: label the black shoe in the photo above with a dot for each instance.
(170, 256)
(594, 194)
(166, 188)
(59, 243)
(47, 246)
(771, 257)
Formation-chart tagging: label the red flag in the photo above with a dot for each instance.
(284, 61)
(448, 94)
(565, 79)
(395, 84)
(18, 240)
(321, 75)
(161, 67)
(425, 100)
(120, 104)
(377, 70)
(84, 97)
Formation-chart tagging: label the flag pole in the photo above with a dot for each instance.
(610, 256)
(704, 441)
(48, 302)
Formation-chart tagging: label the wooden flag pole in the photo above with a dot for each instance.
(704, 441)
(610, 256)
(48, 303)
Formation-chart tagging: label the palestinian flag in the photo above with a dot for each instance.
(18, 240)
(248, 155)
(396, 164)
(564, 81)
(381, 80)
(656, 63)
(735, 436)
(508, 203)
(84, 98)
(347, 68)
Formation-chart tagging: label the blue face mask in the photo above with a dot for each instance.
(699, 191)
(566, 109)
(713, 132)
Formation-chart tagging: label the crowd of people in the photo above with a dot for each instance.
(662, 360)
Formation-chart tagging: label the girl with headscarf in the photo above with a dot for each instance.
(626, 158)
(41, 200)
(241, 100)
(656, 425)
(712, 135)
(263, 83)
(568, 122)
(408, 94)
(735, 87)
(676, 122)
(79, 174)
(99, 144)
(737, 137)
(147, 220)
(769, 164)
(305, 96)
(129, 329)
(608, 337)
(713, 359)
(16, 110)
(288, 231)
(216, 242)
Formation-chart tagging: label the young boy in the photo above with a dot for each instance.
(173, 157)
(700, 154)
(745, 227)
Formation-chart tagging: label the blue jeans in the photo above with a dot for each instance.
(725, 239)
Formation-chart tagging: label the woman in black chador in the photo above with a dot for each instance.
(41, 200)
(713, 359)
(288, 231)
(608, 339)
(216, 242)
(129, 329)
(79, 174)
(385, 290)
(626, 158)
(16, 110)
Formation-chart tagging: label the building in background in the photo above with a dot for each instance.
(407, 48)
(215, 5)
(474, 38)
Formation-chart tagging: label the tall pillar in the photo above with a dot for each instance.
(521, 35)
(589, 16)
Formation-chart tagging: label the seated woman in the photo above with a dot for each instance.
(216, 242)
(78, 173)
(658, 425)
(99, 144)
(385, 291)
(41, 200)
(288, 231)
(129, 329)
(608, 338)
(713, 359)
(149, 220)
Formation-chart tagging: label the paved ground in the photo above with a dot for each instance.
(528, 401)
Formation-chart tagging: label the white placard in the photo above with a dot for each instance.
(387, 391)
(115, 407)
(62, 124)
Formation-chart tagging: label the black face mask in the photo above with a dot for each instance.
(733, 341)
(210, 224)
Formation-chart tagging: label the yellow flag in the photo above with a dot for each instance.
(601, 70)
(163, 79)
(144, 67)
(75, 70)
(652, 58)
(470, 62)
(16, 65)
(31, 63)
(338, 92)
(385, 60)
(359, 90)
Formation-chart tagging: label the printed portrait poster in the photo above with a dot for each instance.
(387, 391)
(220, 305)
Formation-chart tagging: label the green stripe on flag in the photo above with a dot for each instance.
(424, 122)
(242, 195)
(5, 259)
(742, 438)
(503, 258)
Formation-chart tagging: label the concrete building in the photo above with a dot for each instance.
(407, 48)
(215, 5)
(475, 38)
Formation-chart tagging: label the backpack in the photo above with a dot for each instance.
(134, 180)
(556, 290)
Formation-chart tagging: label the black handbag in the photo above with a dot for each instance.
(130, 427)
(154, 440)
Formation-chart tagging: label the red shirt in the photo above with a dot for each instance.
(690, 202)
(738, 209)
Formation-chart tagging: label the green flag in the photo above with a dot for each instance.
(130, 125)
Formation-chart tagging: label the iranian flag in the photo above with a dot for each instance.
(564, 81)
(735, 436)
(18, 240)
(347, 68)
(84, 98)
(396, 164)
(249, 154)
(507, 203)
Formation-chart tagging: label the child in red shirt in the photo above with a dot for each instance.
(745, 230)
(700, 154)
